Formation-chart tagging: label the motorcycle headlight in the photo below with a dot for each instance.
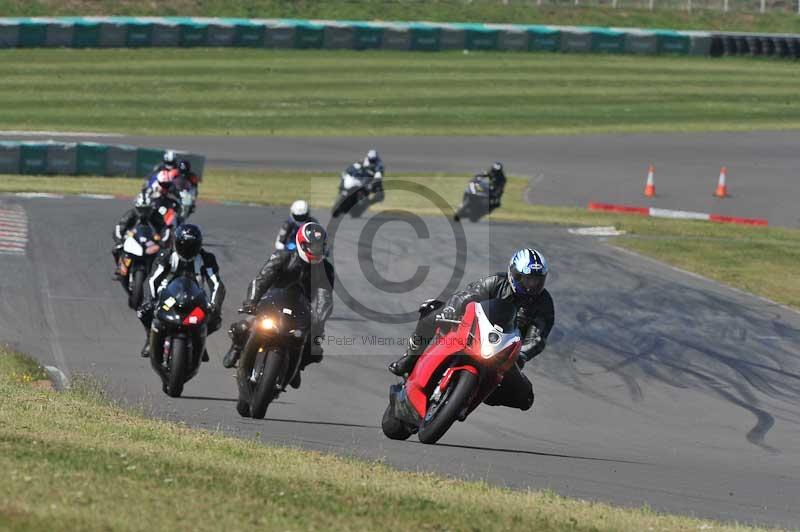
(267, 324)
(487, 351)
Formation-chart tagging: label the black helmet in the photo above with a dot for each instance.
(311, 240)
(496, 170)
(143, 205)
(184, 166)
(527, 272)
(188, 241)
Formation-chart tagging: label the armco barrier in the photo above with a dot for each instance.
(115, 32)
(84, 158)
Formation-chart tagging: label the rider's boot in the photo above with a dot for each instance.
(232, 356)
(238, 333)
(205, 355)
(405, 364)
(146, 349)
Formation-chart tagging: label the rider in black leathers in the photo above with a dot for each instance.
(535, 318)
(305, 266)
(143, 210)
(497, 178)
(187, 257)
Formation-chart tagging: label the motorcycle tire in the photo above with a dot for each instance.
(137, 291)
(462, 386)
(267, 385)
(392, 427)
(178, 363)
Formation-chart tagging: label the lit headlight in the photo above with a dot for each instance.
(487, 351)
(267, 324)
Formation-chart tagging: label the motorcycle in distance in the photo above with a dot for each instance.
(139, 250)
(178, 335)
(476, 202)
(355, 188)
(456, 373)
(272, 355)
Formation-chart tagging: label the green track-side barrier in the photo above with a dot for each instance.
(86, 34)
(192, 33)
(396, 37)
(32, 158)
(576, 40)
(62, 159)
(59, 33)
(480, 37)
(122, 161)
(92, 158)
(32, 33)
(138, 34)
(9, 33)
(672, 42)
(511, 38)
(308, 35)
(113, 32)
(452, 37)
(147, 159)
(220, 32)
(543, 39)
(248, 34)
(700, 43)
(425, 38)
(279, 35)
(367, 36)
(640, 42)
(607, 41)
(338, 36)
(9, 157)
(166, 32)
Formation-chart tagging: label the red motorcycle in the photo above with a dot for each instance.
(454, 375)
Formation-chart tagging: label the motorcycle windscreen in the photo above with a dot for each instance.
(184, 294)
(501, 313)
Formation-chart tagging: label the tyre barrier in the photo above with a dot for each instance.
(138, 32)
(85, 158)
(756, 45)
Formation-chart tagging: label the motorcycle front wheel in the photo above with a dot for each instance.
(178, 362)
(137, 290)
(453, 401)
(268, 367)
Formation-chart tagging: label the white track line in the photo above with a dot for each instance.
(58, 133)
(13, 230)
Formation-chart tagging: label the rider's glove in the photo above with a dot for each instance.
(448, 313)
(248, 307)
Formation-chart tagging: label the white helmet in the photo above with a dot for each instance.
(169, 158)
(371, 158)
(299, 210)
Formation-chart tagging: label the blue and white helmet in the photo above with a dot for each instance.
(527, 272)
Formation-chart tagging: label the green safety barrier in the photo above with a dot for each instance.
(543, 39)
(9, 157)
(91, 32)
(91, 158)
(32, 158)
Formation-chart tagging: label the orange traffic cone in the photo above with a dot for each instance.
(650, 186)
(722, 187)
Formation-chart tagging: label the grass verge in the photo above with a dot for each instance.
(295, 92)
(760, 260)
(515, 11)
(72, 461)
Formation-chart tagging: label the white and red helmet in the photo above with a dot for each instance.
(311, 240)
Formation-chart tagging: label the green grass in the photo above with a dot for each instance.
(294, 92)
(72, 461)
(757, 259)
(514, 11)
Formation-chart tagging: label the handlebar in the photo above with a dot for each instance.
(451, 322)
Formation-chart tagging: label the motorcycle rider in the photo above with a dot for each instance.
(306, 266)
(373, 166)
(497, 180)
(522, 285)
(162, 175)
(186, 180)
(187, 256)
(298, 215)
(142, 211)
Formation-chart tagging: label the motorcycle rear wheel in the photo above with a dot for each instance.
(266, 387)
(177, 367)
(461, 388)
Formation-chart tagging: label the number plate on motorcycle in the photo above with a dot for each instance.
(169, 303)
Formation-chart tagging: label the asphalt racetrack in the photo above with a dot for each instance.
(564, 170)
(657, 387)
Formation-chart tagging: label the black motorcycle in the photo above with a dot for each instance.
(477, 200)
(272, 356)
(355, 187)
(178, 335)
(139, 250)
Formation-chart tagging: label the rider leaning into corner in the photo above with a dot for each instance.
(298, 215)
(373, 169)
(522, 285)
(186, 258)
(305, 266)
